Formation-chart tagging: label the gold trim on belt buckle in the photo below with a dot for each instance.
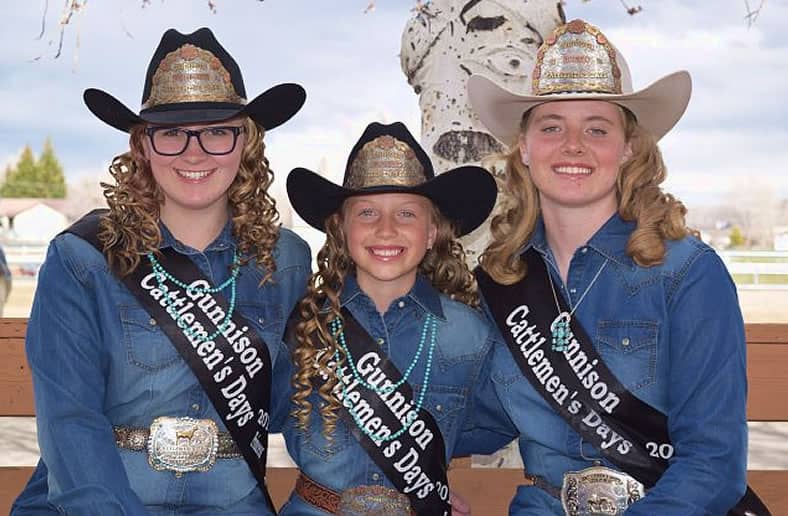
(182, 444)
(599, 491)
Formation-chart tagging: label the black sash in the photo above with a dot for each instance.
(234, 369)
(578, 385)
(415, 462)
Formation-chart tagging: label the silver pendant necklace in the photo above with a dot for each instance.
(559, 328)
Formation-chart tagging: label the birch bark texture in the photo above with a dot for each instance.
(442, 45)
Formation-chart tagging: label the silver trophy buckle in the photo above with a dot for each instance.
(599, 491)
(182, 444)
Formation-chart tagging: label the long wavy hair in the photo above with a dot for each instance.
(659, 215)
(131, 227)
(316, 350)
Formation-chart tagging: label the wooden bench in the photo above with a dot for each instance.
(488, 490)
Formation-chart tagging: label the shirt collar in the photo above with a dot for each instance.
(422, 293)
(224, 240)
(610, 240)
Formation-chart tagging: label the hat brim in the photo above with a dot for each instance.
(270, 109)
(464, 195)
(657, 107)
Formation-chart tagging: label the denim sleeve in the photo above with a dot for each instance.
(488, 426)
(707, 392)
(292, 279)
(66, 353)
(281, 389)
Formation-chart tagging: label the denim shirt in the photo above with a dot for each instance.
(462, 349)
(673, 335)
(99, 360)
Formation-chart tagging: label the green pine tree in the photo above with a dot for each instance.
(50, 173)
(39, 178)
(18, 180)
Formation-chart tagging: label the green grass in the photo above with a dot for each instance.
(763, 279)
(759, 259)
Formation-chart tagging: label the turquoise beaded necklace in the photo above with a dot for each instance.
(161, 275)
(430, 324)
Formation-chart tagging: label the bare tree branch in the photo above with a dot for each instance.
(44, 19)
(752, 14)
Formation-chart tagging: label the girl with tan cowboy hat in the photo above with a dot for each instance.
(155, 339)
(621, 360)
(388, 341)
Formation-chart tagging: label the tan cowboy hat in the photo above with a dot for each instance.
(577, 62)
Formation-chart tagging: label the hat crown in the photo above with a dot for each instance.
(387, 155)
(578, 58)
(192, 68)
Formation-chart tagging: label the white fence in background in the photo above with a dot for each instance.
(751, 268)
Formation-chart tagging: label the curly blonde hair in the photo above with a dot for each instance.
(131, 227)
(316, 348)
(659, 215)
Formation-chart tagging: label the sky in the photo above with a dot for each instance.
(733, 138)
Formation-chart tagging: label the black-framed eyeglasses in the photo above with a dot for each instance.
(215, 140)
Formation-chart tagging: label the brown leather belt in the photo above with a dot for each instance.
(330, 501)
(318, 495)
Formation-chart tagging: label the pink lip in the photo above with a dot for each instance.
(386, 253)
(194, 180)
(572, 175)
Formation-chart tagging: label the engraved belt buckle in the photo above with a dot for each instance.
(599, 491)
(182, 444)
(373, 500)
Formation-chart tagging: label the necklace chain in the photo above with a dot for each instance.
(162, 274)
(430, 324)
(560, 327)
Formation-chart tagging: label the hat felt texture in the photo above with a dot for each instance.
(388, 159)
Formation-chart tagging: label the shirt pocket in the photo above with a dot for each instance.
(446, 404)
(146, 344)
(629, 349)
(267, 321)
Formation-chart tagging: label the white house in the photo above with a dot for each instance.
(32, 220)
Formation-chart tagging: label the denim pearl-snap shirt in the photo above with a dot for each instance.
(99, 359)
(461, 350)
(673, 335)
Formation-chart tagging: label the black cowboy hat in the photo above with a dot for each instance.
(193, 79)
(387, 159)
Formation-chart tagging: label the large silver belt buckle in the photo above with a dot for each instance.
(373, 501)
(182, 444)
(599, 491)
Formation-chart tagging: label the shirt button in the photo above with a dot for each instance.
(260, 320)
(152, 321)
(439, 408)
(375, 477)
(401, 304)
(573, 290)
(584, 250)
(195, 406)
(625, 341)
(380, 341)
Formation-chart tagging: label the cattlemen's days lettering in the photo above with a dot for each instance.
(193, 305)
(530, 342)
(404, 458)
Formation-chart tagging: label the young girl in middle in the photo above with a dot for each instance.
(388, 341)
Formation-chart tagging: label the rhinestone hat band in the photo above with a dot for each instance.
(576, 58)
(191, 74)
(385, 161)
